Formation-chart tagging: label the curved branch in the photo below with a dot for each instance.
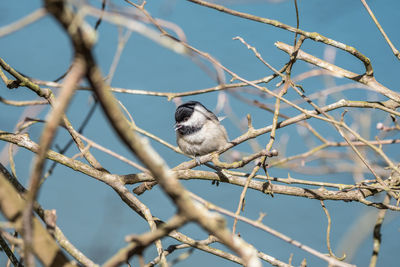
(311, 35)
(364, 79)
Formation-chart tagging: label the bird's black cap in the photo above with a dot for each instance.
(186, 110)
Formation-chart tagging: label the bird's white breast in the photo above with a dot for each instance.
(211, 137)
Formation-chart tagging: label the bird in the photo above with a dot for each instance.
(198, 130)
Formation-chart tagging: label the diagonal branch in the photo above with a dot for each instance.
(115, 181)
(142, 149)
(48, 133)
(364, 79)
(311, 35)
(43, 245)
(46, 93)
(394, 50)
(43, 214)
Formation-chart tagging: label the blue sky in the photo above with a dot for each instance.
(93, 217)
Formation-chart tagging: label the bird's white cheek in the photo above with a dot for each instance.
(197, 119)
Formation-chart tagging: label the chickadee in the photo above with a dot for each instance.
(198, 130)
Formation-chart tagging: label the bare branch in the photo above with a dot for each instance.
(395, 51)
(364, 79)
(29, 19)
(43, 245)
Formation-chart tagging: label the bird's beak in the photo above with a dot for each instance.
(177, 126)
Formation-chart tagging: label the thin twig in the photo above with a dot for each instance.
(73, 78)
(9, 253)
(364, 79)
(395, 51)
(23, 103)
(271, 231)
(328, 233)
(29, 19)
(98, 22)
(311, 35)
(377, 237)
(113, 179)
(274, 123)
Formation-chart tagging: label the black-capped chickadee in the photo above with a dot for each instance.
(198, 130)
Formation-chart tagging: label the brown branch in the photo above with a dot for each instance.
(273, 130)
(43, 245)
(377, 237)
(394, 50)
(260, 225)
(48, 133)
(70, 142)
(283, 90)
(139, 243)
(141, 149)
(23, 81)
(11, 257)
(15, 26)
(244, 161)
(252, 133)
(169, 95)
(156, 165)
(364, 79)
(311, 35)
(204, 247)
(48, 95)
(357, 194)
(23, 103)
(114, 180)
(43, 214)
(339, 127)
(328, 233)
(98, 22)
